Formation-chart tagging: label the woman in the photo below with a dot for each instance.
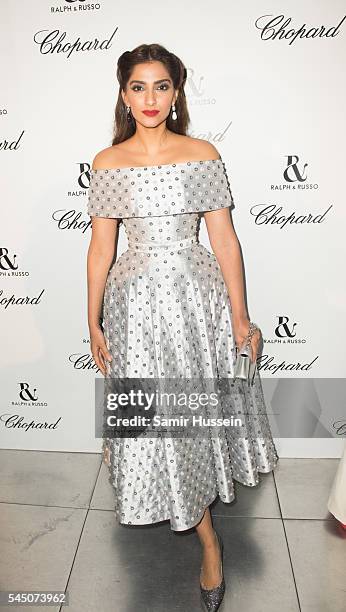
(170, 307)
(337, 498)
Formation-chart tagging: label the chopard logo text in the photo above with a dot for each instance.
(279, 28)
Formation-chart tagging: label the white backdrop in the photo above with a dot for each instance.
(270, 97)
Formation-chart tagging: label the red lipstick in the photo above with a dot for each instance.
(150, 113)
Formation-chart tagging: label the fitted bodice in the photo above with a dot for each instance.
(173, 230)
(153, 200)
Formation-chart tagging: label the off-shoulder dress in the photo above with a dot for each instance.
(167, 314)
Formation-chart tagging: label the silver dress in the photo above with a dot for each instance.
(166, 313)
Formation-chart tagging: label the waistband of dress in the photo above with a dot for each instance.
(172, 245)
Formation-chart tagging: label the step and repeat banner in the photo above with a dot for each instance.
(266, 85)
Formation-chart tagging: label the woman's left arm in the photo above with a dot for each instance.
(224, 242)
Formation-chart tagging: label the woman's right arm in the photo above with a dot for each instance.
(99, 259)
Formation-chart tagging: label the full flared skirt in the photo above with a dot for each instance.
(168, 315)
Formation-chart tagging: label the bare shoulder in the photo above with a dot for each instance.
(203, 150)
(111, 157)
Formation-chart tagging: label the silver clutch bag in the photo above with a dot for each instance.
(244, 368)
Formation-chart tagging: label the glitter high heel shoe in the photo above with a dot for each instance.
(212, 598)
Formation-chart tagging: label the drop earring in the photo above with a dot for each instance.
(174, 113)
(128, 109)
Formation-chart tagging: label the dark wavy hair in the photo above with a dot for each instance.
(124, 129)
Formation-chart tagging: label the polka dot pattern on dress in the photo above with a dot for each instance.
(167, 313)
(159, 190)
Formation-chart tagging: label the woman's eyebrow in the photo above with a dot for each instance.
(155, 82)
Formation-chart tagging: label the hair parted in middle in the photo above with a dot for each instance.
(124, 129)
